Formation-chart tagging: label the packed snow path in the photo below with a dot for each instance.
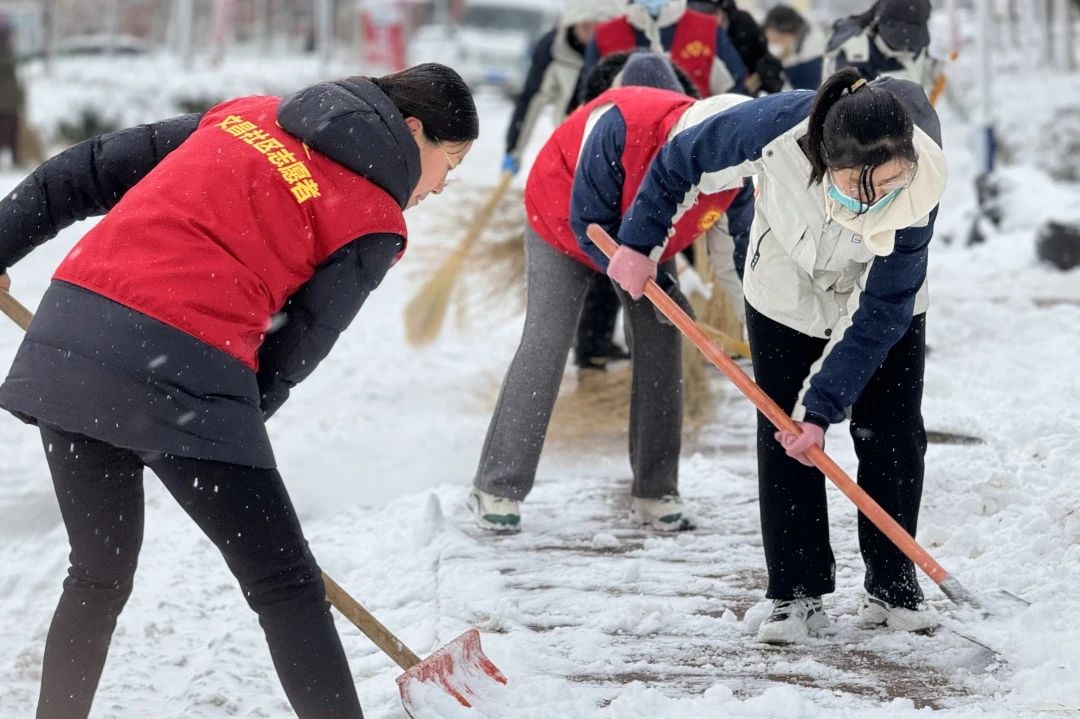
(584, 594)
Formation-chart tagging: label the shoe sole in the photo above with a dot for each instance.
(669, 523)
(497, 527)
(872, 616)
(675, 522)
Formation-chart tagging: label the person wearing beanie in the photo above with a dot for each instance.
(692, 40)
(891, 38)
(798, 44)
(589, 171)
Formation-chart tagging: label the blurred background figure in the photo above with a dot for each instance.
(692, 40)
(891, 38)
(553, 74)
(765, 74)
(11, 95)
(798, 44)
(552, 81)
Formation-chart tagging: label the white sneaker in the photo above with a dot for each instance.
(496, 514)
(792, 620)
(664, 514)
(874, 612)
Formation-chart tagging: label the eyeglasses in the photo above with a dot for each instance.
(449, 161)
(450, 167)
(898, 182)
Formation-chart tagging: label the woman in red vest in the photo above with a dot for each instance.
(589, 171)
(235, 247)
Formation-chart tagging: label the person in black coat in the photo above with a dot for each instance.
(891, 38)
(236, 246)
(765, 71)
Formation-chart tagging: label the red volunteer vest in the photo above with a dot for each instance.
(219, 234)
(649, 114)
(692, 49)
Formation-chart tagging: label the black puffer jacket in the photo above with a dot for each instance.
(92, 366)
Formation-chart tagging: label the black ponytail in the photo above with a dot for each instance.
(437, 96)
(856, 124)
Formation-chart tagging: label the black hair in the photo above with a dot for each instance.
(856, 124)
(437, 96)
(785, 19)
(601, 77)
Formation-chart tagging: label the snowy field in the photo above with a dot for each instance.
(586, 615)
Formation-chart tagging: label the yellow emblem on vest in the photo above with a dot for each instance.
(695, 50)
(709, 219)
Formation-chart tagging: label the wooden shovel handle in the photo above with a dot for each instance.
(15, 310)
(338, 597)
(366, 622)
(866, 504)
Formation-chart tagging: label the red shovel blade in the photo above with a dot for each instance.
(460, 669)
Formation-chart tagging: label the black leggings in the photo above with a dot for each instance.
(890, 442)
(245, 512)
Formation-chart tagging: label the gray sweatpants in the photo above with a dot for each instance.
(556, 287)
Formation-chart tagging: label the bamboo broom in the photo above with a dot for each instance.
(426, 311)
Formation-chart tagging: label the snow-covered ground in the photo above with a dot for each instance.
(587, 616)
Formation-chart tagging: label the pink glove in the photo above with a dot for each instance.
(796, 446)
(631, 270)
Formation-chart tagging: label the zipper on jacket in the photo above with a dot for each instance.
(757, 250)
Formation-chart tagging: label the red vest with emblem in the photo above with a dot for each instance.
(219, 234)
(693, 48)
(649, 114)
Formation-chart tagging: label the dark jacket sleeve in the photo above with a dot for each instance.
(725, 140)
(541, 61)
(83, 181)
(592, 59)
(728, 55)
(885, 309)
(303, 333)
(748, 38)
(596, 196)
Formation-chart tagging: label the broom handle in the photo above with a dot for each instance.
(350, 609)
(479, 222)
(866, 504)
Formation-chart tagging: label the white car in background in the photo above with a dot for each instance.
(492, 43)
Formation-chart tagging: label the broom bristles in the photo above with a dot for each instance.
(426, 311)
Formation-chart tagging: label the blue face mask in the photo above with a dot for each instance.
(652, 6)
(857, 207)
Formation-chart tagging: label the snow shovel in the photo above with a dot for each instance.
(460, 668)
(950, 585)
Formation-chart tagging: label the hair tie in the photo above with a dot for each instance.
(856, 85)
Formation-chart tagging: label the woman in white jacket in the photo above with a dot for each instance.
(848, 183)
